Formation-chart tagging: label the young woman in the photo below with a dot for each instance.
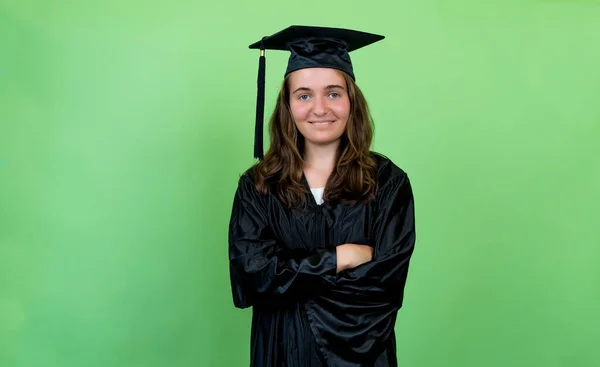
(322, 228)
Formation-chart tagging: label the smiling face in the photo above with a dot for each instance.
(319, 104)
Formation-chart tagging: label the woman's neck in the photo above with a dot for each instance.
(320, 157)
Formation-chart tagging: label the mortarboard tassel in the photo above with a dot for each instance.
(260, 105)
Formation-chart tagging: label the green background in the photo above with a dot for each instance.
(125, 125)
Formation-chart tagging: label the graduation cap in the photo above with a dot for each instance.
(310, 47)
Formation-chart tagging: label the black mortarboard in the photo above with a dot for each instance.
(310, 47)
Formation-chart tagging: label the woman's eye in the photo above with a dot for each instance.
(334, 95)
(304, 97)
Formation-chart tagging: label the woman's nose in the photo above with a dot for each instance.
(320, 106)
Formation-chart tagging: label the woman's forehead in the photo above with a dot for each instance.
(316, 78)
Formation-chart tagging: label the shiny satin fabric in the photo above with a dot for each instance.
(283, 264)
(319, 52)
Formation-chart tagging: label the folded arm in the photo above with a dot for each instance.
(261, 269)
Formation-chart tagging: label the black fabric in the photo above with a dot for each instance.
(312, 46)
(283, 264)
(319, 53)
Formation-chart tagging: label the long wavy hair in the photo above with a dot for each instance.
(353, 179)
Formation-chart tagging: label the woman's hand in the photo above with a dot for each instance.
(351, 255)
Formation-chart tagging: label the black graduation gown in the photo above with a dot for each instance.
(283, 264)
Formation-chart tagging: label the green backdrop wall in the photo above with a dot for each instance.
(125, 125)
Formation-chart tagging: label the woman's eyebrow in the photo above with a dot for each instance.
(302, 89)
(331, 86)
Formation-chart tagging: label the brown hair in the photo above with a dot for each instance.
(281, 170)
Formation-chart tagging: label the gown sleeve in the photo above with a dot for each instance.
(393, 237)
(355, 320)
(262, 269)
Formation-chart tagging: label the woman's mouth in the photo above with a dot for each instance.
(321, 122)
